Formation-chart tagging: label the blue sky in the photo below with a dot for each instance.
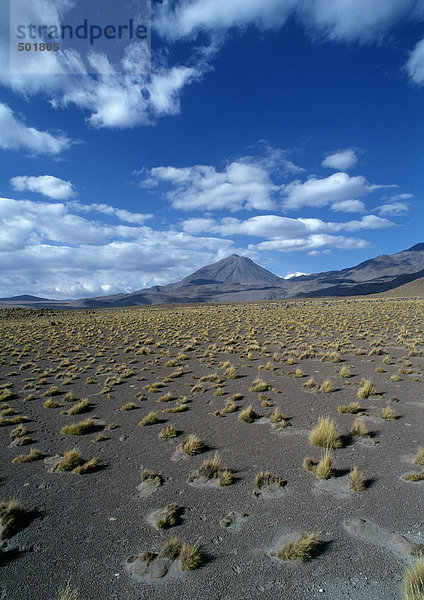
(289, 131)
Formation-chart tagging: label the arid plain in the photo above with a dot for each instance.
(280, 443)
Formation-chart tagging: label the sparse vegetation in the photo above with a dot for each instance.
(367, 389)
(353, 408)
(248, 415)
(419, 457)
(10, 517)
(33, 455)
(168, 432)
(324, 434)
(413, 582)
(303, 549)
(356, 480)
(193, 445)
(259, 385)
(149, 419)
(81, 428)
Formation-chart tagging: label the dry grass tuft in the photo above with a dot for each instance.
(366, 389)
(324, 469)
(68, 593)
(265, 478)
(324, 434)
(359, 428)
(357, 481)
(305, 548)
(10, 515)
(80, 407)
(193, 445)
(149, 419)
(248, 415)
(413, 582)
(190, 557)
(33, 455)
(419, 458)
(388, 414)
(168, 432)
(353, 408)
(70, 461)
(86, 426)
(259, 385)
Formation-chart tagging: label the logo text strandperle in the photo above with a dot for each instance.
(82, 32)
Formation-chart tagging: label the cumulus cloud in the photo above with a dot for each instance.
(342, 160)
(201, 187)
(15, 135)
(51, 250)
(320, 192)
(47, 185)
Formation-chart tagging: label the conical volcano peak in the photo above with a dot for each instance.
(232, 270)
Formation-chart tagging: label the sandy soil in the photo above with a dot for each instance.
(84, 527)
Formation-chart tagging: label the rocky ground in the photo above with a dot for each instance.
(196, 369)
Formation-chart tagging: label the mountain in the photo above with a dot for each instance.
(235, 278)
(239, 279)
(33, 301)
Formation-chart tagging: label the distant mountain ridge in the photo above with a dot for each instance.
(237, 278)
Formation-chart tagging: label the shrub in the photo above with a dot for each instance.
(413, 582)
(353, 408)
(31, 457)
(419, 458)
(190, 557)
(168, 432)
(80, 407)
(10, 515)
(356, 480)
(359, 428)
(324, 434)
(388, 414)
(259, 385)
(248, 415)
(80, 428)
(305, 548)
(366, 389)
(149, 419)
(193, 445)
(324, 469)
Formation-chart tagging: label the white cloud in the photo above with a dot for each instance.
(357, 20)
(313, 242)
(106, 209)
(47, 185)
(48, 250)
(415, 64)
(395, 209)
(321, 192)
(127, 97)
(342, 160)
(281, 228)
(348, 206)
(240, 185)
(341, 20)
(15, 135)
(188, 18)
